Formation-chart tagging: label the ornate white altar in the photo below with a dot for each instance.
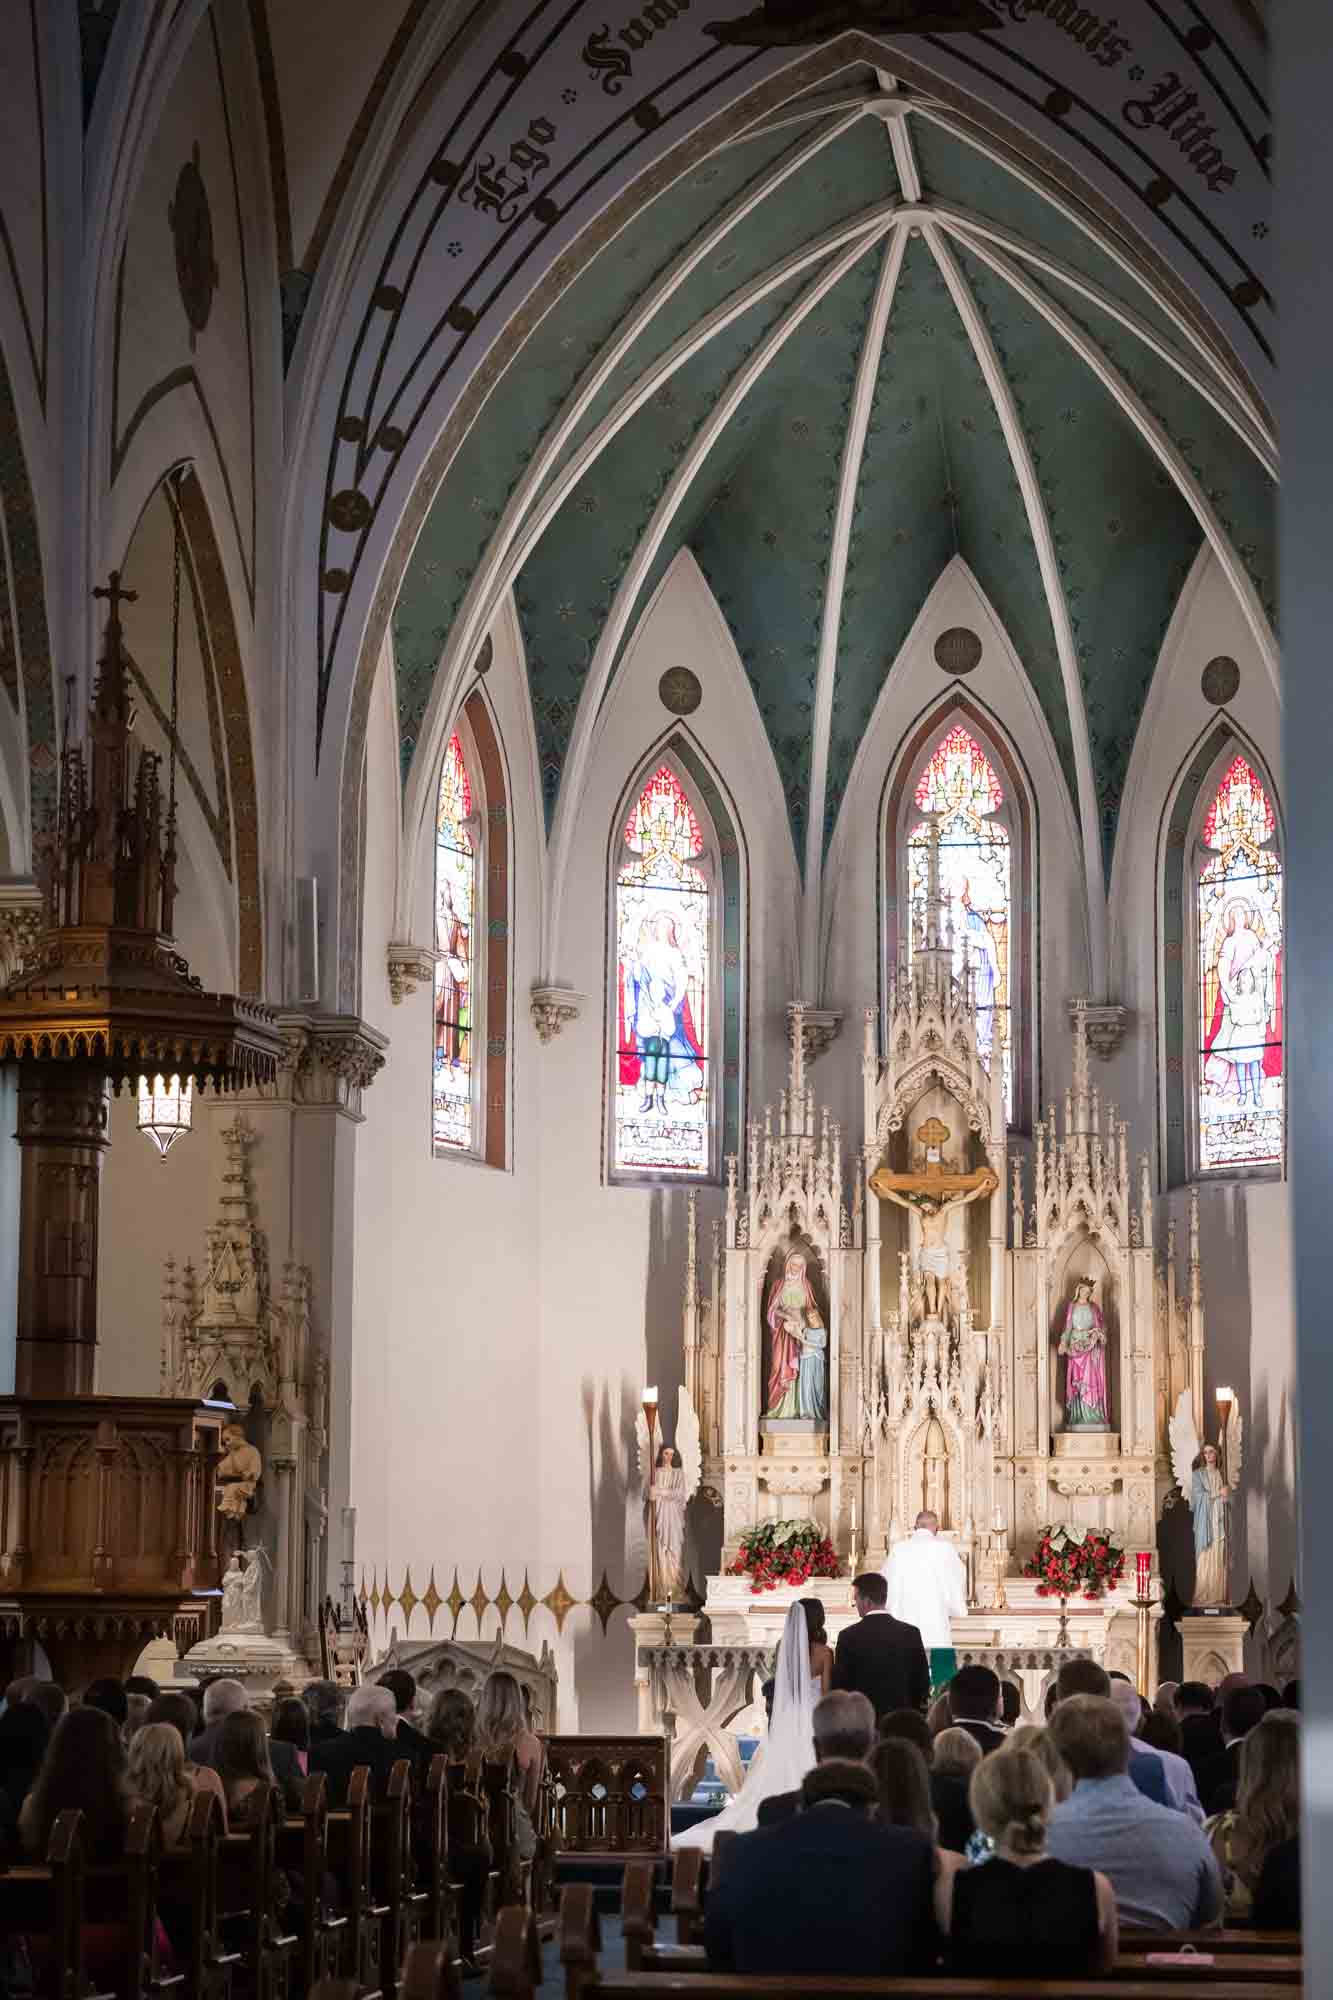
(945, 1278)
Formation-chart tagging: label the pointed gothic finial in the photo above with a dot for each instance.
(1081, 1094)
(1196, 1267)
(1018, 1201)
(691, 1242)
(869, 1050)
(796, 1056)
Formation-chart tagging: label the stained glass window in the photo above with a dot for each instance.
(455, 904)
(661, 1117)
(959, 786)
(1239, 915)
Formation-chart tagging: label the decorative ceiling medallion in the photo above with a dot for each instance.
(781, 24)
(350, 511)
(482, 663)
(681, 691)
(1220, 680)
(335, 581)
(958, 651)
(192, 233)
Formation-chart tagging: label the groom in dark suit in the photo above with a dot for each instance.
(881, 1657)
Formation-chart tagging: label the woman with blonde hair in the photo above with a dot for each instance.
(158, 1777)
(1032, 1736)
(1024, 1915)
(956, 1754)
(502, 1734)
(1266, 1815)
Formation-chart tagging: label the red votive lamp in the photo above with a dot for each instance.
(1143, 1569)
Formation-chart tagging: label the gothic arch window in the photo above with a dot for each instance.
(470, 1015)
(956, 773)
(1225, 969)
(676, 966)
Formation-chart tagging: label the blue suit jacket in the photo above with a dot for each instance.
(1149, 1774)
(860, 1894)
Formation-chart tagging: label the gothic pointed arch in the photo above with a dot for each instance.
(676, 924)
(1223, 966)
(960, 768)
(470, 1034)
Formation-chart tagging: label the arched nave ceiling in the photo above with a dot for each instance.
(901, 350)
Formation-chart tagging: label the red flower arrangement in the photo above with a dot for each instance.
(1070, 1562)
(784, 1552)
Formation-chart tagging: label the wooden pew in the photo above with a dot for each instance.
(187, 1895)
(429, 1973)
(430, 1848)
(687, 1899)
(303, 1851)
(348, 1848)
(392, 1874)
(1219, 1943)
(248, 1917)
(516, 1966)
(43, 1902)
(469, 1848)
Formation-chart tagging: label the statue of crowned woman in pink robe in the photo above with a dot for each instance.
(1083, 1343)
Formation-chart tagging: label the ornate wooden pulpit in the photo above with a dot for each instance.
(106, 1502)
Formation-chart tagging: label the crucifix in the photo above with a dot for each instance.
(931, 1194)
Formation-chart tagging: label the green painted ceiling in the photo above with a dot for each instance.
(935, 476)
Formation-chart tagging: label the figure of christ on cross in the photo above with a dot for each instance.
(931, 1195)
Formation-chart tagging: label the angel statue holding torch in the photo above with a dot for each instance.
(670, 1476)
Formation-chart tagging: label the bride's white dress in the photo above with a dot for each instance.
(787, 1752)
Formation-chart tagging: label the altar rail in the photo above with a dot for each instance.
(1030, 1668)
(608, 1794)
(697, 1692)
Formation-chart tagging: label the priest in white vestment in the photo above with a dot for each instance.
(927, 1587)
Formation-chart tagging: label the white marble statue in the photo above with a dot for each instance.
(243, 1591)
(670, 1482)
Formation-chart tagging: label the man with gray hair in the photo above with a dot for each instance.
(324, 1706)
(369, 1739)
(224, 1697)
(843, 1725)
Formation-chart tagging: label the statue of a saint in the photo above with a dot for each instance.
(798, 1370)
(239, 1471)
(932, 1197)
(1083, 1343)
(243, 1591)
(668, 1500)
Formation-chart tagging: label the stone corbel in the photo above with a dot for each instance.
(337, 1057)
(410, 966)
(553, 1007)
(819, 1030)
(1107, 1025)
(22, 921)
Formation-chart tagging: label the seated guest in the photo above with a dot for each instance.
(178, 1709)
(24, 1735)
(84, 1768)
(1272, 1699)
(903, 1783)
(137, 1706)
(1164, 1701)
(451, 1725)
(157, 1777)
(974, 1705)
(1277, 1896)
(143, 1684)
(109, 1695)
(503, 1733)
(244, 1768)
(843, 1726)
(1086, 1677)
(324, 1706)
(1011, 1704)
(948, 1788)
(1200, 1724)
(370, 1738)
(1161, 1731)
(291, 1725)
(402, 1686)
(224, 1697)
(1243, 1708)
(1032, 1737)
(1024, 1915)
(1266, 1815)
(1179, 1778)
(863, 1891)
(50, 1699)
(1291, 1695)
(1159, 1863)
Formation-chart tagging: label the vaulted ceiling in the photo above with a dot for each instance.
(845, 348)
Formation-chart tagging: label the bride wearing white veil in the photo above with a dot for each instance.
(787, 1753)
